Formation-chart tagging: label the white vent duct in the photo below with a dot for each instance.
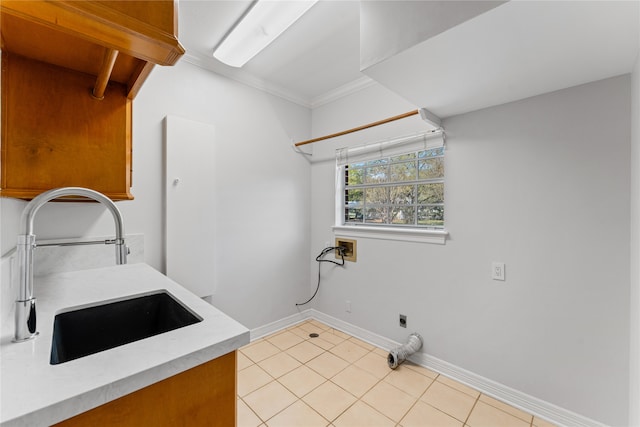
(400, 354)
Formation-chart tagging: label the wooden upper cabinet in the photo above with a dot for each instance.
(70, 72)
(73, 33)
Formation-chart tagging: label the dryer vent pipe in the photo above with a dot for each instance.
(400, 354)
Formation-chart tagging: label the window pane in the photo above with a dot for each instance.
(405, 215)
(431, 153)
(402, 194)
(432, 216)
(376, 196)
(377, 215)
(431, 193)
(354, 176)
(353, 215)
(354, 198)
(431, 168)
(405, 171)
(378, 162)
(376, 174)
(403, 157)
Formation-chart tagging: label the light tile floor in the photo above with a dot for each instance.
(291, 380)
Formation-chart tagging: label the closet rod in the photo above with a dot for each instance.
(359, 128)
(109, 60)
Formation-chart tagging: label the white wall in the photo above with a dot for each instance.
(262, 193)
(634, 389)
(539, 184)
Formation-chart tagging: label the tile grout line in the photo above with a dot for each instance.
(326, 381)
(471, 411)
(378, 381)
(433, 380)
(301, 398)
(506, 412)
(251, 409)
(464, 423)
(394, 386)
(266, 338)
(339, 386)
(349, 364)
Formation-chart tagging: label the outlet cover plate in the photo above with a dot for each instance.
(497, 271)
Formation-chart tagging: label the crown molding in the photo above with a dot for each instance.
(240, 76)
(342, 91)
(209, 63)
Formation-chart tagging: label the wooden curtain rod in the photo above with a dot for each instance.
(370, 125)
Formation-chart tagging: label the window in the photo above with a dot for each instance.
(395, 185)
(404, 190)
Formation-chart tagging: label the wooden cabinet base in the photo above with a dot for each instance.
(202, 396)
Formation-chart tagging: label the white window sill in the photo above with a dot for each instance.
(390, 233)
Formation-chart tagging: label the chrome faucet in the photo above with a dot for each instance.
(26, 303)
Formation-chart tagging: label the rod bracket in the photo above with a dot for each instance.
(430, 118)
(298, 149)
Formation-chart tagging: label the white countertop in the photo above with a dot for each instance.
(35, 393)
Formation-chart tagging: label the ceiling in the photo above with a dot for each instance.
(317, 56)
(515, 51)
(519, 49)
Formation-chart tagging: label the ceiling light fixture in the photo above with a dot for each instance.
(266, 20)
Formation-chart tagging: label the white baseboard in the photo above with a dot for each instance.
(515, 398)
(278, 325)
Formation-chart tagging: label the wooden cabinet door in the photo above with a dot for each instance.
(202, 396)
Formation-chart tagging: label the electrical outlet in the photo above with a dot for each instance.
(348, 307)
(403, 321)
(497, 271)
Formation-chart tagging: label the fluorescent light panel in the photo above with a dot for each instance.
(266, 20)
